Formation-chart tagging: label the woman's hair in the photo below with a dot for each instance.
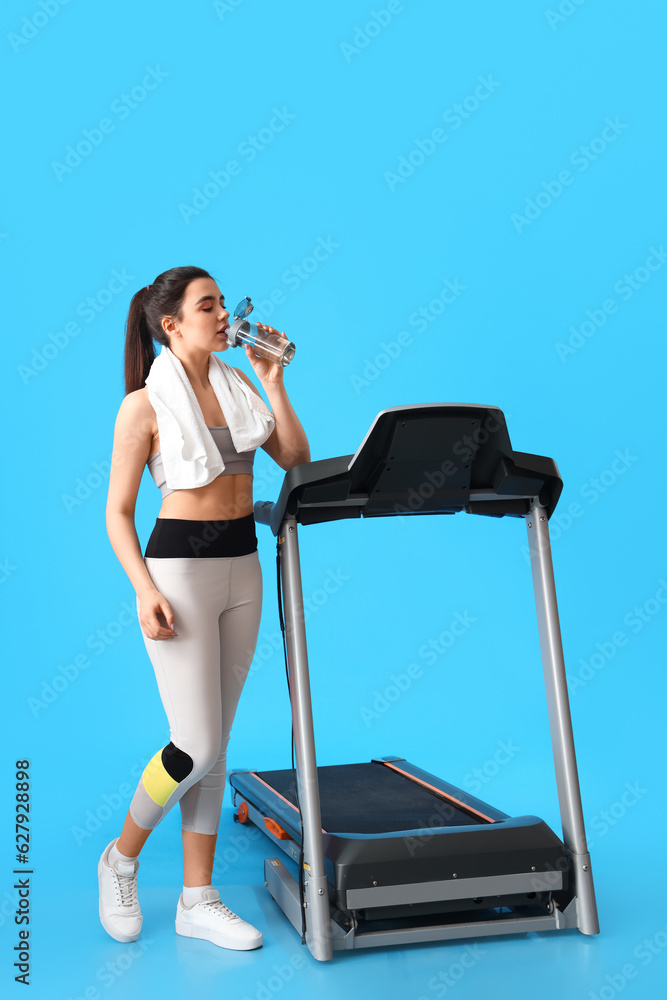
(164, 297)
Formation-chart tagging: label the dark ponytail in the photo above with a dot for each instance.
(164, 297)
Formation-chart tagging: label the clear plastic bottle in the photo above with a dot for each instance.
(266, 345)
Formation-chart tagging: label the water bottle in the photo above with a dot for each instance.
(266, 345)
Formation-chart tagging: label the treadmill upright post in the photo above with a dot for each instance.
(318, 934)
(560, 719)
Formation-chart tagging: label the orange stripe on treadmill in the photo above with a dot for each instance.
(439, 791)
(271, 789)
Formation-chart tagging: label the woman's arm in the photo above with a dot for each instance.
(287, 444)
(131, 447)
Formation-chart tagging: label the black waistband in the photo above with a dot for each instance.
(178, 538)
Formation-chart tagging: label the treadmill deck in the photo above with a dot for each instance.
(389, 827)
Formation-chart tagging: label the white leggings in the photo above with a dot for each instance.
(217, 605)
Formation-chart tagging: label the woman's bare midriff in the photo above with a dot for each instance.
(223, 499)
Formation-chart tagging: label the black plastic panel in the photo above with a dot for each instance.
(423, 459)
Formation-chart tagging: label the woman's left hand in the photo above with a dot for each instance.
(267, 371)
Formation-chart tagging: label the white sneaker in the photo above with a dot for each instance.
(211, 920)
(120, 912)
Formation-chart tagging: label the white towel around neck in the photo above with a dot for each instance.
(190, 456)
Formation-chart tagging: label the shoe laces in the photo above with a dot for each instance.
(126, 886)
(218, 907)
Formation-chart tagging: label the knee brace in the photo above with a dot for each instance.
(164, 772)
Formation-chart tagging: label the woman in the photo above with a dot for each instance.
(198, 594)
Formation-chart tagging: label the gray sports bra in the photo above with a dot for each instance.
(235, 462)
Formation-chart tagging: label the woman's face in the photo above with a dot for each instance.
(203, 318)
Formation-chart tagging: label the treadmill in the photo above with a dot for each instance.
(382, 852)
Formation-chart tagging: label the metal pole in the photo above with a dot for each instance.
(318, 934)
(560, 719)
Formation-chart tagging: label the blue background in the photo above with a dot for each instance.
(557, 319)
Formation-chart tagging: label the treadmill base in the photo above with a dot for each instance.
(347, 932)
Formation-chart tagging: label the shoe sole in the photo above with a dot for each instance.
(187, 930)
(123, 938)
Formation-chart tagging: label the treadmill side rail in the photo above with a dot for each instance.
(560, 719)
(465, 799)
(318, 933)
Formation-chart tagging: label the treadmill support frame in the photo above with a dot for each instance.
(560, 719)
(316, 895)
(322, 933)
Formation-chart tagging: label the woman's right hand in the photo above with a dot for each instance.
(155, 616)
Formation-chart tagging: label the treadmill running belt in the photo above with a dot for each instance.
(372, 798)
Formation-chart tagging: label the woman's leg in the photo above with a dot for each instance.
(187, 671)
(238, 629)
(198, 857)
(132, 838)
(189, 682)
